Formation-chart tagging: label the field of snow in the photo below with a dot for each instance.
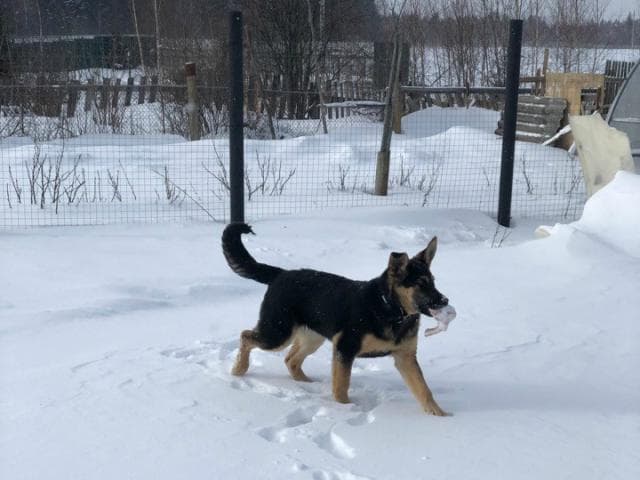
(446, 158)
(116, 344)
(439, 72)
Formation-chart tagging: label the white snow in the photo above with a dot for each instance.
(614, 216)
(116, 344)
(446, 158)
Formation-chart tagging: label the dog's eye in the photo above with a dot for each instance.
(426, 282)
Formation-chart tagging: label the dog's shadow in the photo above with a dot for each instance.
(559, 396)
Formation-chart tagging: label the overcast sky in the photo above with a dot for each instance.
(620, 8)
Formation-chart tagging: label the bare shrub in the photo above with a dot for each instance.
(114, 182)
(172, 190)
(271, 178)
(431, 181)
(16, 186)
(525, 174)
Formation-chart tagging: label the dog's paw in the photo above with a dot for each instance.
(342, 398)
(239, 369)
(434, 409)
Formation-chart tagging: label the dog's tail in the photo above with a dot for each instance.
(240, 260)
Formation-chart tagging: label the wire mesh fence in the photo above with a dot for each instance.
(118, 152)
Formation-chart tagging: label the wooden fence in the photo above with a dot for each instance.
(419, 98)
(342, 99)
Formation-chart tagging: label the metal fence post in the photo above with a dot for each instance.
(236, 134)
(192, 101)
(510, 119)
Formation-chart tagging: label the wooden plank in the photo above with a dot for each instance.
(546, 101)
(547, 129)
(458, 100)
(128, 92)
(531, 79)
(142, 90)
(540, 109)
(536, 119)
(104, 93)
(72, 101)
(115, 94)
(545, 62)
(153, 90)
(90, 95)
(523, 137)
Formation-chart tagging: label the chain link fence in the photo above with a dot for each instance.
(117, 152)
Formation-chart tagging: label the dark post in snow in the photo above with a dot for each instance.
(192, 101)
(236, 135)
(510, 119)
(384, 155)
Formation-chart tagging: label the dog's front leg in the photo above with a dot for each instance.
(408, 366)
(341, 373)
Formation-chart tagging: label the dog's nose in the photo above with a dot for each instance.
(445, 301)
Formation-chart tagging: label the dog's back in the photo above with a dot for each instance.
(321, 301)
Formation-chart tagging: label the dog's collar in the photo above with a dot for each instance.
(401, 322)
(391, 305)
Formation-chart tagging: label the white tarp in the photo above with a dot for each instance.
(603, 150)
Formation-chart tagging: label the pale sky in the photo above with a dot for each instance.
(620, 8)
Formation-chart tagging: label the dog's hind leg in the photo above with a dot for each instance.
(305, 342)
(250, 339)
(247, 343)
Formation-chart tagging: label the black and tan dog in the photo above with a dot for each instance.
(362, 319)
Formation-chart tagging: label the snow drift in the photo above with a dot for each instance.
(116, 345)
(612, 214)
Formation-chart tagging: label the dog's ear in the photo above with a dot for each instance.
(398, 265)
(428, 253)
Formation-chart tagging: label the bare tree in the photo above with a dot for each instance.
(136, 25)
(315, 39)
(289, 53)
(383, 160)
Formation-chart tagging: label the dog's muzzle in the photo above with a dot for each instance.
(434, 307)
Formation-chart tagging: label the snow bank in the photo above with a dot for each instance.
(431, 121)
(612, 215)
(116, 345)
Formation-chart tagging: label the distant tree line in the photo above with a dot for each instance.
(278, 32)
(291, 40)
(470, 36)
(545, 20)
